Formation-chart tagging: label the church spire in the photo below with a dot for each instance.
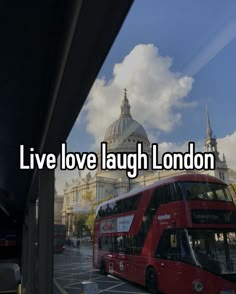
(208, 130)
(224, 159)
(125, 106)
(210, 141)
(221, 168)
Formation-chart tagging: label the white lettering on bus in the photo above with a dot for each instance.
(164, 216)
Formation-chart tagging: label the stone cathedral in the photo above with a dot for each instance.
(122, 136)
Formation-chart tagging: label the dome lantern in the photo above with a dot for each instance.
(125, 128)
(125, 106)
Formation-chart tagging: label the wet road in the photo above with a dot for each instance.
(74, 266)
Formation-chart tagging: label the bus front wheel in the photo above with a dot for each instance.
(151, 280)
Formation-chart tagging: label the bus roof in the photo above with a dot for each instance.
(193, 177)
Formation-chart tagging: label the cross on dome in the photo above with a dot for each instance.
(125, 106)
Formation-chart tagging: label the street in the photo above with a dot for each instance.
(74, 266)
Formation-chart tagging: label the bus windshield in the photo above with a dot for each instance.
(211, 249)
(214, 249)
(206, 191)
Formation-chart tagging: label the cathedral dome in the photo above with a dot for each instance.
(122, 136)
(125, 128)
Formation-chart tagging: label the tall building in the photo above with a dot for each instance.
(221, 170)
(122, 136)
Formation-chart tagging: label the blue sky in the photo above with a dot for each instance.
(192, 47)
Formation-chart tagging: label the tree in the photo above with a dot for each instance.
(84, 222)
(81, 227)
(91, 216)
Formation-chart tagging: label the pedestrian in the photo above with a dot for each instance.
(78, 244)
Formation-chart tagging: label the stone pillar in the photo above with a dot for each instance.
(45, 232)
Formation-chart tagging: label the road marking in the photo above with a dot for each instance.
(79, 273)
(71, 268)
(120, 284)
(91, 279)
(127, 292)
(113, 277)
(68, 286)
(69, 280)
(59, 287)
(59, 267)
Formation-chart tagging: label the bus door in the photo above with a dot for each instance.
(170, 253)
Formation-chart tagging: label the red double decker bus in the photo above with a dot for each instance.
(175, 236)
(59, 238)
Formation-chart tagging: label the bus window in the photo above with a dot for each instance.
(129, 204)
(110, 243)
(173, 241)
(168, 249)
(120, 244)
(100, 213)
(167, 193)
(177, 191)
(206, 191)
(214, 249)
(108, 210)
(174, 245)
(105, 243)
(119, 206)
(221, 195)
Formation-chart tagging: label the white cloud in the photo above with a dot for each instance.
(227, 145)
(178, 147)
(156, 94)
